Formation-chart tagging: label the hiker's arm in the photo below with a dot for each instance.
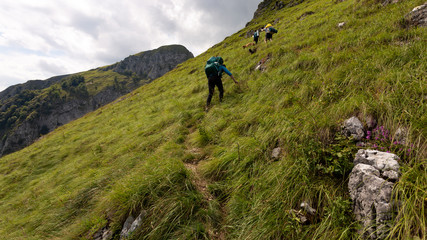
(228, 73)
(232, 77)
(224, 69)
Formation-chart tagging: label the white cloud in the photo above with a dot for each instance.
(41, 39)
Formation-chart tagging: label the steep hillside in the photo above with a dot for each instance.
(32, 109)
(157, 160)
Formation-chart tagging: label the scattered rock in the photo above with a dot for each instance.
(261, 66)
(298, 214)
(276, 153)
(371, 122)
(354, 128)
(370, 189)
(131, 224)
(280, 5)
(126, 227)
(103, 234)
(294, 3)
(401, 136)
(418, 16)
(341, 24)
(308, 209)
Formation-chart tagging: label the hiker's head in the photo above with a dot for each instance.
(268, 25)
(220, 60)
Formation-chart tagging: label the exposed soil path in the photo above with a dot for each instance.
(201, 184)
(198, 181)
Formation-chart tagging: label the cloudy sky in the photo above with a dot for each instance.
(45, 38)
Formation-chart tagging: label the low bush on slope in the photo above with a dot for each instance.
(130, 156)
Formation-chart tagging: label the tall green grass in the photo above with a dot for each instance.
(129, 156)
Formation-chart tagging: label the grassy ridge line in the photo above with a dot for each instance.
(128, 156)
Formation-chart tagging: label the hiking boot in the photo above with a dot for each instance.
(206, 108)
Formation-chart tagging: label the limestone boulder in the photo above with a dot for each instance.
(353, 127)
(371, 184)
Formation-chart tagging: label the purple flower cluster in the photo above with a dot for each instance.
(380, 139)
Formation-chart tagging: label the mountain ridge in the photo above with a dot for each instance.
(37, 107)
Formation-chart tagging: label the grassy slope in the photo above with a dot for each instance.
(129, 155)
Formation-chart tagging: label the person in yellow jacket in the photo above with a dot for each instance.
(269, 30)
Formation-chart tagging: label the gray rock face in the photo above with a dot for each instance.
(370, 186)
(153, 64)
(353, 127)
(131, 225)
(382, 161)
(267, 5)
(418, 16)
(103, 234)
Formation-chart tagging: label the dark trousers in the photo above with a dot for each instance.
(212, 82)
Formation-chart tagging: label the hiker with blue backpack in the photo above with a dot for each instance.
(256, 36)
(214, 68)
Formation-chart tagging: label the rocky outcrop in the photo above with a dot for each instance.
(418, 16)
(153, 64)
(371, 183)
(274, 5)
(353, 127)
(131, 224)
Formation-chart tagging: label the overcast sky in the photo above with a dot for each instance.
(45, 38)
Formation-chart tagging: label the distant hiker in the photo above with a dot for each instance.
(256, 36)
(269, 30)
(214, 69)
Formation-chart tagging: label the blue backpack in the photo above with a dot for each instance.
(272, 30)
(213, 66)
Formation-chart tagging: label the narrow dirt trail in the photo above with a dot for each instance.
(201, 184)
